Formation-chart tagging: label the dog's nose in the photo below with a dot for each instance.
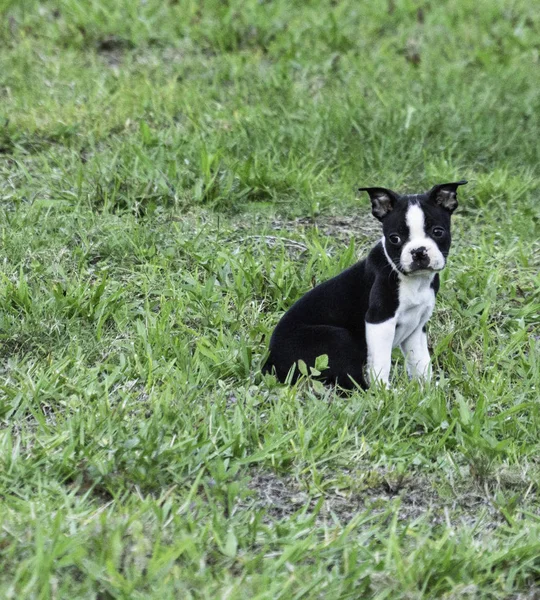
(420, 254)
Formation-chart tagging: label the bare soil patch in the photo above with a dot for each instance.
(363, 228)
(283, 496)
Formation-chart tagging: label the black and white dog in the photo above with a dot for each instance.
(381, 302)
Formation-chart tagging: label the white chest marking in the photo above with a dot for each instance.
(416, 303)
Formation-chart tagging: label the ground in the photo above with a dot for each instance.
(173, 176)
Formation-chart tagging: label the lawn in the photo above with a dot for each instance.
(173, 176)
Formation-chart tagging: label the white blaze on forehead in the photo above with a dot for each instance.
(415, 222)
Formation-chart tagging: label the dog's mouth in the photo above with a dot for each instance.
(422, 265)
(418, 268)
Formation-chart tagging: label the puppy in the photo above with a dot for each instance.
(381, 302)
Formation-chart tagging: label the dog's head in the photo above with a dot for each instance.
(416, 227)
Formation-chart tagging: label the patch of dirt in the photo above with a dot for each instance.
(532, 594)
(365, 231)
(112, 49)
(363, 228)
(284, 496)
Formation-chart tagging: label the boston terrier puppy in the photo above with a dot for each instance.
(381, 302)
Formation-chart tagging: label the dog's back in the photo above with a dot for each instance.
(329, 319)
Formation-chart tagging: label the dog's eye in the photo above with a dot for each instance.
(394, 239)
(438, 232)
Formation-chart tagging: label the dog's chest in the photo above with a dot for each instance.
(416, 303)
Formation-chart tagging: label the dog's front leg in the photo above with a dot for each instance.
(415, 350)
(380, 339)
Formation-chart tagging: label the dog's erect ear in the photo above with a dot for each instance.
(445, 195)
(382, 200)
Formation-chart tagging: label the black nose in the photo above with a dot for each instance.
(420, 254)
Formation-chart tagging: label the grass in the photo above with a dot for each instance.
(173, 176)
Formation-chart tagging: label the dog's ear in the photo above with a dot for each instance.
(382, 200)
(445, 195)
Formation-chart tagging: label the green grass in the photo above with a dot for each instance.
(173, 175)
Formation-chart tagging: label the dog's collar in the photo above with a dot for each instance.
(390, 262)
